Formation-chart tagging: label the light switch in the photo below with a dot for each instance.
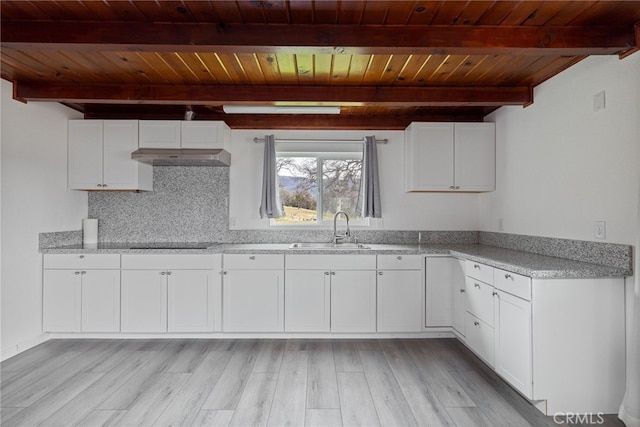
(599, 101)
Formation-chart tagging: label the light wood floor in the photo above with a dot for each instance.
(431, 382)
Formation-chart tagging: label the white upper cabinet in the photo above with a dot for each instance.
(100, 156)
(184, 134)
(205, 134)
(450, 157)
(159, 133)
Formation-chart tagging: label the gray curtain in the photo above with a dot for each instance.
(369, 200)
(270, 206)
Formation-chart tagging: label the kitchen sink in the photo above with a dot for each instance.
(329, 245)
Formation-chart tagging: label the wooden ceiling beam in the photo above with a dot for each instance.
(270, 95)
(327, 39)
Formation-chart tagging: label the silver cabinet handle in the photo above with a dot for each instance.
(252, 257)
(451, 187)
(476, 285)
(494, 293)
(81, 256)
(326, 273)
(104, 185)
(99, 185)
(457, 187)
(476, 323)
(380, 273)
(168, 273)
(333, 273)
(83, 272)
(162, 273)
(76, 273)
(476, 266)
(399, 257)
(224, 273)
(462, 291)
(508, 276)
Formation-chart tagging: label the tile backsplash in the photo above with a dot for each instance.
(187, 204)
(190, 204)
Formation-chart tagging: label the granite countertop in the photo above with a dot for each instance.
(525, 263)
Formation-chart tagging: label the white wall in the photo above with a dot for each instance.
(561, 166)
(34, 199)
(400, 210)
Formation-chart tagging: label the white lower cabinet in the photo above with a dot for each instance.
(144, 301)
(253, 300)
(458, 310)
(330, 293)
(171, 293)
(513, 350)
(79, 296)
(480, 338)
(353, 301)
(307, 301)
(253, 293)
(399, 293)
(439, 275)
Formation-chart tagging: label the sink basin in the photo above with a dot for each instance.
(323, 245)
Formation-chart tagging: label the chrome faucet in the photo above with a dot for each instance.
(347, 233)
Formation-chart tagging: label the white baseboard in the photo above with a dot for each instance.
(231, 335)
(13, 350)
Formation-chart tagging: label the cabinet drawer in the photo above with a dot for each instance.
(480, 338)
(399, 262)
(479, 300)
(71, 261)
(513, 283)
(168, 262)
(479, 271)
(253, 262)
(331, 262)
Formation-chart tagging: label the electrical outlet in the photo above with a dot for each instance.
(600, 229)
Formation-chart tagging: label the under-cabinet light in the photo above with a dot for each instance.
(284, 109)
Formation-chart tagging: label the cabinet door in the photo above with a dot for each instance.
(100, 300)
(204, 134)
(61, 301)
(120, 172)
(439, 279)
(253, 301)
(159, 134)
(480, 338)
(458, 309)
(399, 301)
(85, 154)
(193, 300)
(307, 300)
(513, 350)
(144, 301)
(429, 157)
(353, 301)
(479, 300)
(475, 156)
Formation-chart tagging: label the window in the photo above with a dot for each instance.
(316, 185)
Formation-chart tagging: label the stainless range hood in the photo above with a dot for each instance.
(182, 156)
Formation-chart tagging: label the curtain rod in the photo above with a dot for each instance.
(378, 141)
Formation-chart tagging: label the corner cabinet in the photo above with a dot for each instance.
(450, 157)
(99, 156)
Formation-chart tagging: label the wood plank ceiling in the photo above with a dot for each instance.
(386, 63)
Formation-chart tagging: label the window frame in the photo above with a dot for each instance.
(321, 156)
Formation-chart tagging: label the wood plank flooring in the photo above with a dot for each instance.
(426, 382)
